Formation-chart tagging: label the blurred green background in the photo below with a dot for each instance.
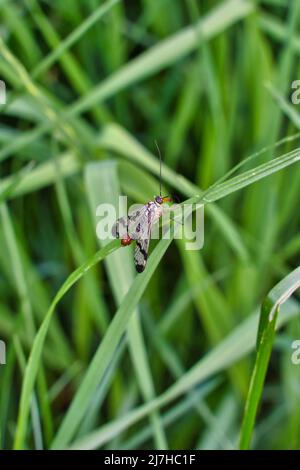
(90, 86)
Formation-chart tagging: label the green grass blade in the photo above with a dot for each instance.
(106, 350)
(17, 268)
(102, 185)
(6, 190)
(43, 175)
(167, 52)
(160, 56)
(48, 61)
(265, 338)
(236, 345)
(35, 355)
(251, 176)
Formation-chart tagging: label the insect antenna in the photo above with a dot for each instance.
(158, 150)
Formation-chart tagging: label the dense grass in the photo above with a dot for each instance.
(98, 357)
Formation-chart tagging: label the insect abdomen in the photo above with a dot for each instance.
(126, 240)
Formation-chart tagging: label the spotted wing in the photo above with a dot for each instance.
(126, 226)
(138, 227)
(135, 225)
(141, 252)
(143, 229)
(120, 228)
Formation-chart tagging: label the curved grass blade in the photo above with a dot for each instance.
(35, 354)
(102, 186)
(251, 176)
(73, 417)
(235, 346)
(106, 350)
(118, 326)
(265, 337)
